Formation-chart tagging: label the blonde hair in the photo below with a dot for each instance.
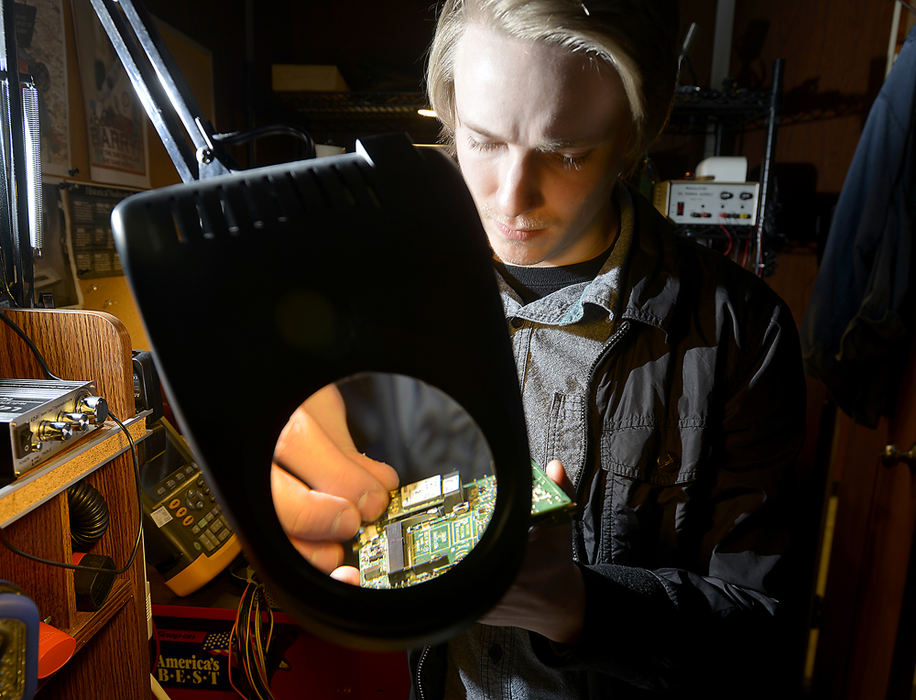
(636, 37)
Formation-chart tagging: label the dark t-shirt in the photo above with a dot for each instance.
(533, 283)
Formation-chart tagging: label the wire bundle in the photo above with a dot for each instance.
(248, 644)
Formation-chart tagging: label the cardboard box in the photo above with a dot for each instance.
(286, 77)
(193, 660)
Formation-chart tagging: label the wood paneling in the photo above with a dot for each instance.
(112, 658)
(77, 345)
(835, 56)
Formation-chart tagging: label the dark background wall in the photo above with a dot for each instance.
(835, 60)
(377, 46)
(834, 52)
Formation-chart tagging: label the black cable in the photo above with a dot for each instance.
(239, 137)
(136, 464)
(83, 567)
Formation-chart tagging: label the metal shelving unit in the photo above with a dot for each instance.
(733, 111)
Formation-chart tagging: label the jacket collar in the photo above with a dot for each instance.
(652, 275)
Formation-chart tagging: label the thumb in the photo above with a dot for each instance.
(347, 574)
(557, 474)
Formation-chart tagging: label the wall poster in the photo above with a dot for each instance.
(42, 54)
(87, 209)
(115, 118)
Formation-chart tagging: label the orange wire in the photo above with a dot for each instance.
(233, 633)
(241, 634)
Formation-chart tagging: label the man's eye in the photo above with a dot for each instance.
(476, 145)
(572, 162)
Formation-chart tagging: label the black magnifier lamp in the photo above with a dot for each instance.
(259, 287)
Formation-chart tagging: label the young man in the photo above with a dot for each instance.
(660, 382)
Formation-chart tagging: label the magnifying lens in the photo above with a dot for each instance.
(366, 278)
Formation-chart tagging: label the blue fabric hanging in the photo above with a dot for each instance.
(859, 322)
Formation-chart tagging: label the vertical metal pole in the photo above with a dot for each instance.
(15, 143)
(250, 97)
(768, 155)
(7, 226)
(721, 62)
(892, 39)
(722, 43)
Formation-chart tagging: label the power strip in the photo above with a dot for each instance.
(698, 202)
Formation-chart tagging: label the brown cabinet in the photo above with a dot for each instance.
(112, 654)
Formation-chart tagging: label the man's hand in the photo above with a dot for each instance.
(322, 486)
(548, 595)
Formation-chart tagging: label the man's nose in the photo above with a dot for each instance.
(519, 186)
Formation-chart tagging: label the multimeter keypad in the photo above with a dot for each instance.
(194, 508)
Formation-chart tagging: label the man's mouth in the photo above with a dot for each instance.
(519, 233)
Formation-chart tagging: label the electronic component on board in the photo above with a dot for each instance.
(431, 524)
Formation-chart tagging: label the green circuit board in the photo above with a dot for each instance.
(430, 525)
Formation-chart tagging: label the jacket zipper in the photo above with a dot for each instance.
(423, 656)
(589, 438)
(612, 341)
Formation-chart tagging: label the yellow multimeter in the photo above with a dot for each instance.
(188, 539)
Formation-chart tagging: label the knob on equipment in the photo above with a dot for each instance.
(78, 421)
(54, 430)
(95, 408)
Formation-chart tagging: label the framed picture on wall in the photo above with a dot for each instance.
(42, 56)
(115, 120)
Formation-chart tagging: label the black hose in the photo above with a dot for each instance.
(88, 515)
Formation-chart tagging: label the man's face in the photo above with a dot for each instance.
(539, 133)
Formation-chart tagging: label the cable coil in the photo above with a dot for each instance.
(88, 515)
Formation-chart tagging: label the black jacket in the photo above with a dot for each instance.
(692, 413)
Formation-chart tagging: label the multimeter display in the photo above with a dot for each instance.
(188, 539)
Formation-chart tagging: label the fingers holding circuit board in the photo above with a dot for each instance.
(431, 524)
